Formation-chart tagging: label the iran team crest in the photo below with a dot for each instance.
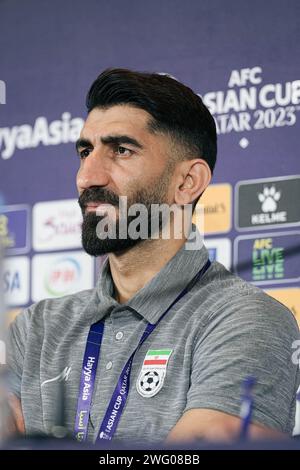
(152, 375)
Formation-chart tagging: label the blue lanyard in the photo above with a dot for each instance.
(119, 397)
(246, 406)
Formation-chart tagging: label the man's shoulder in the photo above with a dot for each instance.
(227, 294)
(55, 310)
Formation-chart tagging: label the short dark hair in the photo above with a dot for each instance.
(174, 107)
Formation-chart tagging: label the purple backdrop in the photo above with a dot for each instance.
(241, 56)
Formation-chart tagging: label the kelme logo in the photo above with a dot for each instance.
(265, 203)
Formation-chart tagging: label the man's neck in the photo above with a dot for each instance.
(132, 269)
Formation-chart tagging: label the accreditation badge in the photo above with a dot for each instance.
(153, 372)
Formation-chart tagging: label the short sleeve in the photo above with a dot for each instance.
(247, 337)
(16, 346)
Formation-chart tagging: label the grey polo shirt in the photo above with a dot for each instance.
(223, 330)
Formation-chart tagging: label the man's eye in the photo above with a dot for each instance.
(123, 151)
(84, 153)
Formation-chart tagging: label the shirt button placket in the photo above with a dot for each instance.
(119, 335)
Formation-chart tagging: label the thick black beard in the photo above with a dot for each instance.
(94, 246)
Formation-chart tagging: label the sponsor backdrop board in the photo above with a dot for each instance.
(245, 65)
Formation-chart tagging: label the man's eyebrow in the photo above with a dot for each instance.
(121, 139)
(83, 143)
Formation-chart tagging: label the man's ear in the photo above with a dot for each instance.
(194, 177)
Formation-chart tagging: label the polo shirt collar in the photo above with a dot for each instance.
(155, 297)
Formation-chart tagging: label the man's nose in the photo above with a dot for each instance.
(92, 172)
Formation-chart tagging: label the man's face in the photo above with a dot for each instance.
(119, 156)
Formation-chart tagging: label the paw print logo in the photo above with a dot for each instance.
(269, 198)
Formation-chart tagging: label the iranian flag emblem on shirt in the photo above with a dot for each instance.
(157, 357)
(153, 372)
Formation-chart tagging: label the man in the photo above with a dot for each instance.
(159, 350)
